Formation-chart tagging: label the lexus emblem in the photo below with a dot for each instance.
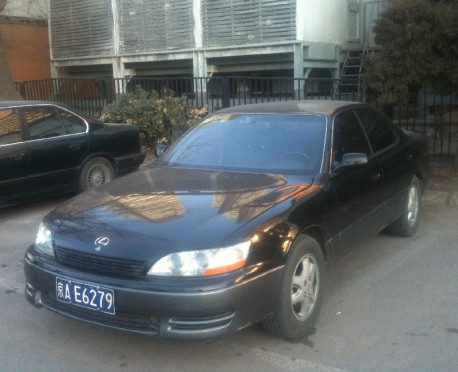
(101, 241)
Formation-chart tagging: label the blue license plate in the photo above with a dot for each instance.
(85, 295)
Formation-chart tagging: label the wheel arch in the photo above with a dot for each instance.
(109, 174)
(422, 177)
(94, 155)
(317, 234)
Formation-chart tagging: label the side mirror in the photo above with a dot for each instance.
(160, 149)
(354, 159)
(350, 161)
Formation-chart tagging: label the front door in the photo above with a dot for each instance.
(358, 190)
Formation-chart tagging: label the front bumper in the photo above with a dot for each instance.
(191, 314)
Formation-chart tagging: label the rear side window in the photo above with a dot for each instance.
(381, 135)
(72, 123)
(43, 122)
(10, 127)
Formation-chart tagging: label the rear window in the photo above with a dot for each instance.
(43, 122)
(72, 123)
(380, 133)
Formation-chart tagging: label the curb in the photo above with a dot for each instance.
(439, 199)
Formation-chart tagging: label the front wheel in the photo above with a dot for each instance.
(96, 172)
(407, 224)
(301, 291)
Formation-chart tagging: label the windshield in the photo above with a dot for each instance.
(267, 143)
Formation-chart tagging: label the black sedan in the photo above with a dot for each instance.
(234, 225)
(48, 149)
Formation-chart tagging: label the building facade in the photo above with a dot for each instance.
(204, 38)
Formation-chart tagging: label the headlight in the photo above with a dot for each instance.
(43, 241)
(205, 262)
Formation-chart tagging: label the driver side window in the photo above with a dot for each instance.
(348, 137)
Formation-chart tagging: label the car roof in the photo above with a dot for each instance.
(24, 103)
(321, 107)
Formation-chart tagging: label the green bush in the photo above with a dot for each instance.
(417, 40)
(160, 118)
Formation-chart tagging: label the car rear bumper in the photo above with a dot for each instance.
(129, 163)
(197, 314)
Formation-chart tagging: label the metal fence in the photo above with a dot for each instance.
(91, 95)
(429, 113)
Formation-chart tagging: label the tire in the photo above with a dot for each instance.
(407, 224)
(300, 293)
(96, 172)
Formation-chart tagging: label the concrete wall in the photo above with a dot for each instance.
(196, 37)
(329, 21)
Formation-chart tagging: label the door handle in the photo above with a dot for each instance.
(17, 156)
(376, 176)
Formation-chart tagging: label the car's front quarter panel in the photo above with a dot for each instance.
(276, 230)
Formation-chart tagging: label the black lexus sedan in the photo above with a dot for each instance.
(235, 224)
(49, 149)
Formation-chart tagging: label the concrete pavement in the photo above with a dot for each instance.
(438, 199)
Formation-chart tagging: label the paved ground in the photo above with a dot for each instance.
(443, 187)
(391, 305)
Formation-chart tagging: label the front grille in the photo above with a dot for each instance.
(98, 264)
(124, 321)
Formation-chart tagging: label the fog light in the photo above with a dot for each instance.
(154, 320)
(29, 289)
(38, 301)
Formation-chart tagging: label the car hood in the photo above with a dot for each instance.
(164, 209)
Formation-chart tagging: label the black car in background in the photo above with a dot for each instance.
(234, 225)
(48, 149)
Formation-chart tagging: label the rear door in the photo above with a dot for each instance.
(58, 141)
(13, 156)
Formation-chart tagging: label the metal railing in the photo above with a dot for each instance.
(429, 113)
(92, 94)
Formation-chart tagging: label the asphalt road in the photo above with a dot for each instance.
(391, 305)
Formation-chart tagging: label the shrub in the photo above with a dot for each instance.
(160, 118)
(418, 48)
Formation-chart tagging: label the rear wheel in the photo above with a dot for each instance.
(301, 291)
(407, 224)
(96, 172)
